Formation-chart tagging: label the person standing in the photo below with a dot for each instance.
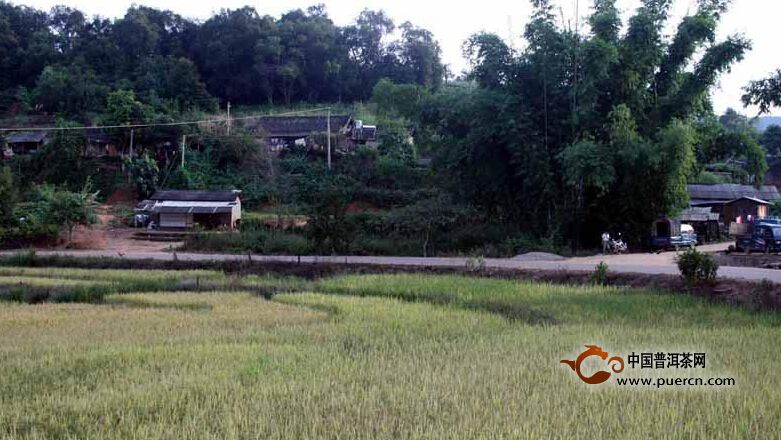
(605, 242)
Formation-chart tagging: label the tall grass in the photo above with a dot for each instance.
(36, 284)
(373, 356)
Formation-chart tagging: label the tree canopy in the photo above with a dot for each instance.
(577, 133)
(64, 62)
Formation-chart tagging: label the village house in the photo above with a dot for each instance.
(25, 142)
(96, 143)
(180, 209)
(733, 202)
(99, 144)
(280, 132)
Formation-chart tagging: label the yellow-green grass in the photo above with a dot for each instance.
(112, 275)
(377, 356)
(122, 281)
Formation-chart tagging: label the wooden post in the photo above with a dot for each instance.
(229, 118)
(328, 142)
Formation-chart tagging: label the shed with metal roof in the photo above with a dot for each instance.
(183, 209)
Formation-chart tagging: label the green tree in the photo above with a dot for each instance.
(395, 142)
(65, 209)
(122, 108)
(144, 172)
(60, 160)
(70, 90)
(8, 197)
(173, 80)
(325, 198)
(490, 58)
(420, 57)
(756, 162)
(771, 140)
(397, 100)
(735, 122)
(366, 48)
(428, 219)
(624, 98)
(765, 93)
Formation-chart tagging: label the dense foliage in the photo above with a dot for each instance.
(578, 133)
(533, 149)
(65, 62)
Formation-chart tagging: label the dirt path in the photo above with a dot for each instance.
(656, 259)
(107, 236)
(648, 264)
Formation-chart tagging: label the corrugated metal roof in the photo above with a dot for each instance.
(161, 209)
(196, 196)
(186, 207)
(698, 214)
(21, 137)
(725, 192)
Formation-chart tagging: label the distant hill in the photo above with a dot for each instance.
(763, 122)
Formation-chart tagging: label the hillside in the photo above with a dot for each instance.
(763, 122)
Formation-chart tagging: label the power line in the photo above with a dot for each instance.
(161, 124)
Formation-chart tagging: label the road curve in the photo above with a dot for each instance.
(635, 265)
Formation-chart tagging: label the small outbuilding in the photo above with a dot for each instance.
(744, 209)
(26, 142)
(280, 132)
(181, 209)
(705, 222)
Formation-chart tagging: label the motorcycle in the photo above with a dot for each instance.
(617, 246)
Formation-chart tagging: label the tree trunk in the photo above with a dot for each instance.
(425, 244)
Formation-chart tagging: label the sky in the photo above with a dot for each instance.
(452, 22)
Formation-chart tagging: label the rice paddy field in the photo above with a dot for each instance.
(199, 354)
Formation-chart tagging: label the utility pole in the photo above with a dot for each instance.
(328, 142)
(131, 143)
(184, 139)
(229, 118)
(131, 153)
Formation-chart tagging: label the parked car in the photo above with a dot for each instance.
(758, 237)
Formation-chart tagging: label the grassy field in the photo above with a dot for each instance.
(370, 356)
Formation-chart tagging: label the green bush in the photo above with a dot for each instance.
(25, 293)
(285, 244)
(260, 241)
(599, 277)
(697, 267)
(245, 241)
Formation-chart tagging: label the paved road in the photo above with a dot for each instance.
(635, 263)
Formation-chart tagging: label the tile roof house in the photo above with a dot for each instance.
(99, 144)
(26, 142)
(726, 192)
(282, 131)
(733, 201)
